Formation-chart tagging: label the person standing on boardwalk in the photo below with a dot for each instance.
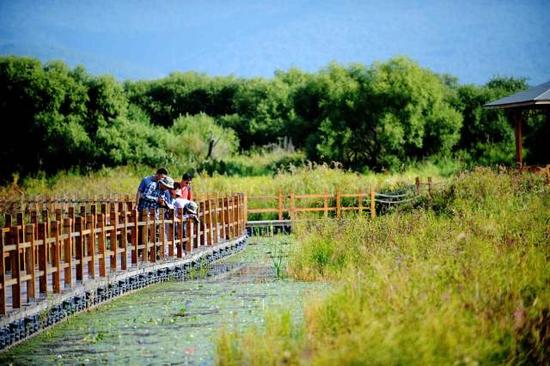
(145, 182)
(157, 195)
(185, 186)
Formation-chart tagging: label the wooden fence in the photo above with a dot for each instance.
(44, 252)
(290, 205)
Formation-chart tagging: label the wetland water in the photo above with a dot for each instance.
(174, 322)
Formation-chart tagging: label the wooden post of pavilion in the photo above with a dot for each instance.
(537, 97)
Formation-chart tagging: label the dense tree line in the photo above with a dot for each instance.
(366, 117)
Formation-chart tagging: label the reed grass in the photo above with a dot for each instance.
(311, 178)
(463, 280)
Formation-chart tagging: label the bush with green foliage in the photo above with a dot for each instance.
(376, 117)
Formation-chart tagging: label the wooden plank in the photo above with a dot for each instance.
(190, 233)
(181, 222)
(325, 203)
(222, 219)
(280, 205)
(79, 248)
(124, 243)
(145, 238)
(15, 268)
(306, 196)
(162, 234)
(135, 236)
(114, 238)
(30, 262)
(68, 251)
(43, 259)
(209, 222)
(292, 208)
(56, 256)
(2, 278)
(101, 242)
(91, 225)
(215, 227)
(153, 237)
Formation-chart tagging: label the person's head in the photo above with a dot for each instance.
(166, 182)
(161, 173)
(191, 208)
(186, 179)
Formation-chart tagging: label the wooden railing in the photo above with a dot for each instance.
(290, 205)
(45, 252)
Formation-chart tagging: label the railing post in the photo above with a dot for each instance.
(360, 202)
(43, 252)
(280, 205)
(224, 218)
(79, 248)
(29, 261)
(202, 234)
(162, 234)
(135, 236)
(189, 231)
(338, 207)
(430, 187)
(113, 222)
(215, 217)
(417, 184)
(101, 244)
(181, 222)
(145, 235)
(90, 225)
(236, 215)
(325, 203)
(245, 207)
(171, 232)
(124, 242)
(292, 209)
(15, 268)
(67, 251)
(197, 229)
(210, 235)
(372, 204)
(56, 259)
(2, 277)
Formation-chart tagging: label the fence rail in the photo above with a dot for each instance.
(290, 205)
(45, 252)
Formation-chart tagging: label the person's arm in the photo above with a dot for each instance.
(168, 201)
(149, 194)
(140, 189)
(189, 193)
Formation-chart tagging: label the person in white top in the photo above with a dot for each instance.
(189, 207)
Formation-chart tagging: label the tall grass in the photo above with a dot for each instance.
(466, 280)
(311, 178)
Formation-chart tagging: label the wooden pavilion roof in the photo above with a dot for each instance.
(537, 96)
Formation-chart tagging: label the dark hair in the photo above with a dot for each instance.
(162, 171)
(186, 176)
(177, 185)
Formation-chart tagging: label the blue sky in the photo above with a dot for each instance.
(473, 40)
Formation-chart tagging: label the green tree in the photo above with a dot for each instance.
(487, 136)
(196, 139)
